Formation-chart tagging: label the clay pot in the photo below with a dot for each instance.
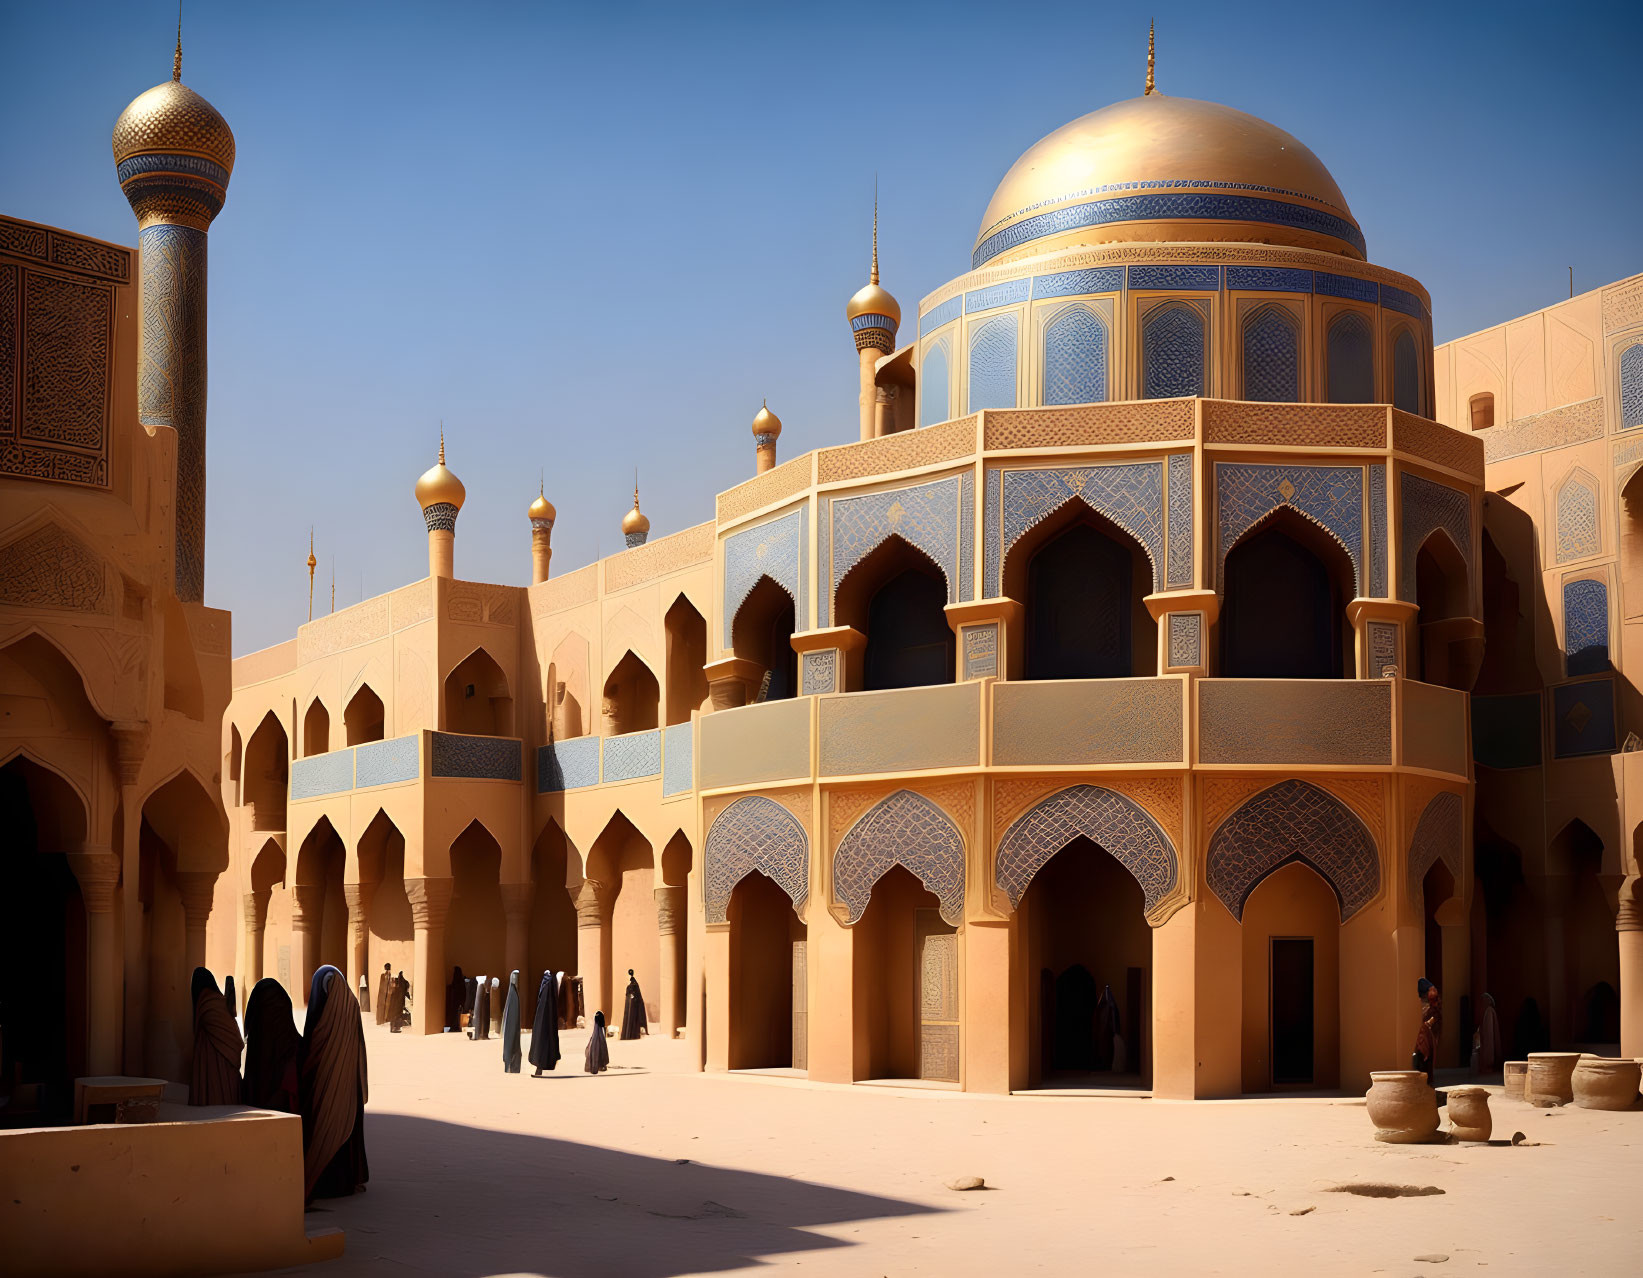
(1402, 1106)
(1605, 1084)
(1469, 1117)
(1550, 1078)
(1516, 1074)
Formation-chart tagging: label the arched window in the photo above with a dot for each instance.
(933, 393)
(363, 719)
(1586, 627)
(632, 697)
(686, 655)
(1075, 358)
(897, 597)
(1083, 590)
(1172, 352)
(1631, 385)
(1441, 596)
(316, 729)
(1350, 355)
(992, 364)
(477, 699)
(1482, 409)
(1406, 373)
(1286, 589)
(1271, 360)
(762, 632)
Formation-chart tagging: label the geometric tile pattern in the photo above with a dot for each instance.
(1585, 627)
(1631, 386)
(1075, 358)
(632, 755)
(967, 536)
(1271, 359)
(992, 364)
(754, 833)
(1186, 639)
(55, 343)
(823, 601)
(1377, 530)
(1583, 718)
(677, 747)
(1172, 352)
(1293, 821)
(476, 758)
(567, 765)
(991, 514)
(385, 762)
(1118, 825)
(821, 673)
(1350, 349)
(1179, 560)
(1269, 279)
(322, 774)
(1437, 838)
(1130, 494)
(774, 550)
(1427, 507)
(1406, 373)
(933, 393)
(1398, 299)
(1329, 496)
(1006, 294)
(1094, 279)
(1578, 536)
(1347, 286)
(946, 313)
(1175, 275)
(925, 515)
(903, 829)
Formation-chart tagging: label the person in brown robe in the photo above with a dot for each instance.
(215, 1076)
(596, 1060)
(332, 1090)
(399, 994)
(1488, 1046)
(272, 1048)
(633, 1009)
(385, 984)
(1425, 1056)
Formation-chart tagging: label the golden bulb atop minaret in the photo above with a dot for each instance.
(542, 508)
(872, 310)
(438, 486)
(767, 427)
(635, 525)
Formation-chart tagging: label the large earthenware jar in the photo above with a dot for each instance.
(1402, 1106)
(1469, 1117)
(1605, 1084)
(1515, 1075)
(1550, 1078)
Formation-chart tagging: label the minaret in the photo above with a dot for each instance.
(440, 494)
(312, 564)
(173, 153)
(542, 514)
(635, 527)
(767, 429)
(874, 318)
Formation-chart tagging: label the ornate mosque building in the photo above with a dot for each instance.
(1181, 624)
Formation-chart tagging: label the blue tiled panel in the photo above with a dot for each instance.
(1348, 286)
(1350, 355)
(1166, 206)
(774, 550)
(1583, 718)
(385, 762)
(926, 515)
(1631, 386)
(322, 774)
(1179, 570)
(966, 536)
(1396, 299)
(1272, 365)
(1585, 627)
(934, 388)
(1075, 358)
(1121, 826)
(677, 748)
(754, 833)
(567, 765)
(1330, 496)
(1506, 730)
(1131, 495)
(1428, 506)
(1176, 276)
(1578, 533)
(991, 530)
(632, 755)
(992, 364)
(1094, 279)
(1406, 373)
(824, 597)
(1377, 531)
(475, 758)
(1269, 279)
(908, 830)
(1172, 352)
(946, 313)
(1006, 294)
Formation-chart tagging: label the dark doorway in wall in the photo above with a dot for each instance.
(1291, 1011)
(763, 633)
(1285, 602)
(909, 643)
(1078, 611)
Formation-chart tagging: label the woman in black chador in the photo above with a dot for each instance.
(596, 1060)
(545, 1028)
(633, 1009)
(510, 1027)
(273, 1048)
(454, 994)
(480, 1022)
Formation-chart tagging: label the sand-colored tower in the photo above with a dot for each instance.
(874, 318)
(174, 153)
(635, 524)
(440, 494)
(542, 514)
(767, 429)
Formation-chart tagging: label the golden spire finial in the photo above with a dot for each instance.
(1151, 87)
(441, 441)
(177, 61)
(636, 488)
(333, 583)
(312, 562)
(874, 277)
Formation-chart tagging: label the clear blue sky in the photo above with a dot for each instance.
(591, 237)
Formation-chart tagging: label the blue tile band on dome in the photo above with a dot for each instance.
(946, 313)
(194, 164)
(1269, 279)
(1397, 299)
(1094, 279)
(1347, 286)
(632, 755)
(386, 762)
(1157, 207)
(678, 747)
(1006, 294)
(567, 765)
(861, 322)
(1207, 278)
(475, 758)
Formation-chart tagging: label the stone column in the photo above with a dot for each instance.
(829, 660)
(1628, 926)
(358, 897)
(196, 888)
(1384, 630)
(989, 639)
(307, 902)
(731, 681)
(593, 947)
(255, 906)
(98, 870)
(541, 548)
(517, 899)
(1185, 619)
(430, 903)
(670, 929)
(130, 745)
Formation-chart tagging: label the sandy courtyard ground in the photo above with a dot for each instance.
(651, 1172)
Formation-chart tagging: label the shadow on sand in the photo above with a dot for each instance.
(466, 1201)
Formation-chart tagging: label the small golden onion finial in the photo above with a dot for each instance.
(1151, 86)
(766, 425)
(438, 486)
(542, 508)
(634, 523)
(874, 315)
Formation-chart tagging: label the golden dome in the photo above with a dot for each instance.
(873, 300)
(438, 486)
(635, 521)
(1161, 169)
(542, 508)
(173, 153)
(766, 424)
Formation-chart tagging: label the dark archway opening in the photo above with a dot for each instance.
(1286, 587)
(686, 656)
(763, 634)
(1084, 584)
(477, 699)
(321, 862)
(767, 973)
(632, 697)
(904, 965)
(1440, 596)
(552, 942)
(476, 932)
(363, 719)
